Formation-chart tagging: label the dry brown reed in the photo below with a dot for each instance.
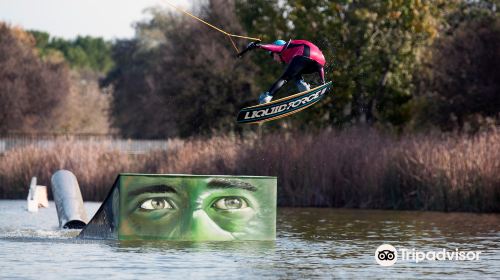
(94, 164)
(358, 168)
(451, 173)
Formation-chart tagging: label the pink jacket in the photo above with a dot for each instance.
(296, 48)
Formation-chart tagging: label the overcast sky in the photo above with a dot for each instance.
(68, 18)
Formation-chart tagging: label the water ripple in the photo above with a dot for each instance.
(311, 243)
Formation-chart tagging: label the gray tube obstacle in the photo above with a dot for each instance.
(68, 200)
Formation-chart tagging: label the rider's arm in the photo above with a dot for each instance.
(271, 48)
(267, 47)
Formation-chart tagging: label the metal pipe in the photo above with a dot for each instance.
(68, 200)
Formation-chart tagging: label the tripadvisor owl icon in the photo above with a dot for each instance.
(386, 255)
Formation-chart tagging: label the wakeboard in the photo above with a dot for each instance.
(283, 107)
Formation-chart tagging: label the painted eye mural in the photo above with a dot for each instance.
(230, 203)
(155, 204)
(187, 207)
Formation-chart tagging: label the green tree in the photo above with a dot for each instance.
(41, 39)
(459, 86)
(84, 52)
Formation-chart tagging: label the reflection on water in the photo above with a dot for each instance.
(323, 243)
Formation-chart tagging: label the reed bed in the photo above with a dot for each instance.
(358, 168)
(94, 165)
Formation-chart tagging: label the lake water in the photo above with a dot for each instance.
(311, 243)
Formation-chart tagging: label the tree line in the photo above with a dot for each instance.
(46, 88)
(397, 65)
(83, 52)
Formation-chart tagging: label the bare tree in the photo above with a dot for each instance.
(179, 77)
(30, 89)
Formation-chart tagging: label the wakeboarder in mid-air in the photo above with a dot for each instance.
(301, 57)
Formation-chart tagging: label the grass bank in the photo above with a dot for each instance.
(356, 168)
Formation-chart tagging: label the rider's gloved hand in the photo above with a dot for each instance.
(253, 45)
(249, 47)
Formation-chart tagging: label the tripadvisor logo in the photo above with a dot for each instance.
(387, 255)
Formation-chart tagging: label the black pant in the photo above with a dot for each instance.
(298, 66)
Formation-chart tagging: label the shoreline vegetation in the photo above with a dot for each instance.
(356, 168)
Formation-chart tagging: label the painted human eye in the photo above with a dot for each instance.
(230, 203)
(156, 204)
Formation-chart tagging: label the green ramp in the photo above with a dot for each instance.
(186, 208)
